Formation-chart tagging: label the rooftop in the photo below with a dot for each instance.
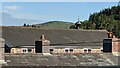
(104, 59)
(16, 36)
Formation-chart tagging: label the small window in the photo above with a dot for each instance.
(66, 50)
(24, 50)
(51, 49)
(85, 50)
(29, 50)
(71, 50)
(89, 49)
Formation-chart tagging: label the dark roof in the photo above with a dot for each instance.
(16, 36)
(60, 60)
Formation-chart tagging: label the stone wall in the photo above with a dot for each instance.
(1, 48)
(2, 42)
(46, 49)
(20, 50)
(76, 51)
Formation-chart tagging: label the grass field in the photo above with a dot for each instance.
(55, 25)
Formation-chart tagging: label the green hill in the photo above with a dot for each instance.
(54, 25)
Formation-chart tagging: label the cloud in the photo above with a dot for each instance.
(8, 20)
(14, 7)
(3, 12)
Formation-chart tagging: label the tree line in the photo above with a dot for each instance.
(108, 18)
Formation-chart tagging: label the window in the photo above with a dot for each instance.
(24, 50)
(85, 50)
(89, 49)
(71, 50)
(51, 49)
(66, 50)
(29, 50)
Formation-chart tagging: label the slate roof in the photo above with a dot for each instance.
(60, 60)
(16, 36)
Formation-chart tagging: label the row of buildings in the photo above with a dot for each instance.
(27, 46)
(32, 40)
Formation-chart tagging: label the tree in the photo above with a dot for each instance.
(24, 24)
(33, 25)
(108, 19)
(72, 27)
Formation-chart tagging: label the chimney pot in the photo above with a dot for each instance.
(110, 35)
(42, 37)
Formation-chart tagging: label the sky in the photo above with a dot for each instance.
(54, 11)
(60, 0)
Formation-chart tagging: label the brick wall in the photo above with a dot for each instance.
(115, 45)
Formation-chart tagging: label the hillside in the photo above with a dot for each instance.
(54, 25)
(108, 18)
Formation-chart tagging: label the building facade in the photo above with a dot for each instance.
(2, 43)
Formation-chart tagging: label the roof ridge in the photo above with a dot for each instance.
(52, 28)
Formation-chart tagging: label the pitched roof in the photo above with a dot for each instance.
(16, 36)
(60, 60)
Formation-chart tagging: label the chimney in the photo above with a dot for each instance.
(38, 46)
(115, 45)
(110, 35)
(42, 45)
(42, 37)
(107, 45)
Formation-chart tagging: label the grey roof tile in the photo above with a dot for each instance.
(17, 36)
